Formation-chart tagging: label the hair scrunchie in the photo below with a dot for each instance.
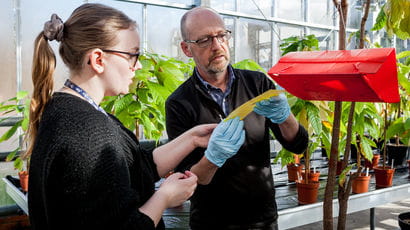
(53, 29)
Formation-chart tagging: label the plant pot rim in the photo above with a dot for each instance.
(385, 168)
(310, 182)
(24, 172)
(363, 175)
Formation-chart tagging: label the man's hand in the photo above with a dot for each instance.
(225, 141)
(275, 108)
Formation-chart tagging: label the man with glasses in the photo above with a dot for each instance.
(238, 193)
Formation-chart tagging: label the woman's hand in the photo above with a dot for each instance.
(201, 134)
(178, 187)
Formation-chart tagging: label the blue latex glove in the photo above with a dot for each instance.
(225, 141)
(275, 108)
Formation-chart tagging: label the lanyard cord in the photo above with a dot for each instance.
(84, 94)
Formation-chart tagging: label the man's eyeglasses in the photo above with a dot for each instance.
(204, 42)
(133, 59)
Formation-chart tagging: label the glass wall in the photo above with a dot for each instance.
(257, 30)
(253, 41)
(291, 10)
(223, 5)
(321, 12)
(256, 7)
(163, 33)
(8, 74)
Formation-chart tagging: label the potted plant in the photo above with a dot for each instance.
(18, 105)
(366, 118)
(309, 115)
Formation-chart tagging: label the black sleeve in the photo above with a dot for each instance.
(178, 121)
(298, 145)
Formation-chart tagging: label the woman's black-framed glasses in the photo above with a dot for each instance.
(133, 59)
(206, 41)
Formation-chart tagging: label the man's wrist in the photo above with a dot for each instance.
(216, 162)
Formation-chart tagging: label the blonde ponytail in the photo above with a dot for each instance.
(44, 62)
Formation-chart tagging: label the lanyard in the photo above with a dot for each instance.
(84, 94)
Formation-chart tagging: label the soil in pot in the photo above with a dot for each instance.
(396, 153)
(294, 171)
(361, 184)
(384, 176)
(404, 220)
(307, 193)
(23, 175)
(313, 175)
(373, 163)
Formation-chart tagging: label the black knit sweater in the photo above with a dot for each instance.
(87, 171)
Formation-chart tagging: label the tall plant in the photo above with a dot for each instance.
(342, 8)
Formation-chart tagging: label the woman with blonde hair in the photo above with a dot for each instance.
(87, 171)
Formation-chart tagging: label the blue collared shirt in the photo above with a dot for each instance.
(216, 93)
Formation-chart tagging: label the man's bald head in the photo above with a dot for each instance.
(196, 14)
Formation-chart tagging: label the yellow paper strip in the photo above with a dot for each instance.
(247, 107)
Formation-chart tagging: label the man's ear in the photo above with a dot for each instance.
(96, 60)
(185, 48)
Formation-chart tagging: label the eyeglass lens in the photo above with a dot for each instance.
(208, 40)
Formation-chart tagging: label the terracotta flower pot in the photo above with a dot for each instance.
(313, 176)
(307, 193)
(384, 177)
(23, 175)
(374, 163)
(294, 170)
(361, 184)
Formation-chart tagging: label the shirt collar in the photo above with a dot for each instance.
(208, 86)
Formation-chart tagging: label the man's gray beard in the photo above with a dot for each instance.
(215, 70)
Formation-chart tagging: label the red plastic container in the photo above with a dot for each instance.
(366, 75)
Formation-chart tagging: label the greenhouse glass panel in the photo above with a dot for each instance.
(324, 37)
(255, 42)
(223, 5)
(7, 46)
(321, 12)
(32, 23)
(290, 9)
(256, 7)
(163, 35)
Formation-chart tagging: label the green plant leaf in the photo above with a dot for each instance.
(403, 54)
(366, 149)
(249, 64)
(122, 103)
(10, 132)
(18, 164)
(396, 128)
(314, 117)
(342, 176)
(21, 95)
(380, 20)
(11, 155)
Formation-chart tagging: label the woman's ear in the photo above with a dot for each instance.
(185, 48)
(96, 60)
